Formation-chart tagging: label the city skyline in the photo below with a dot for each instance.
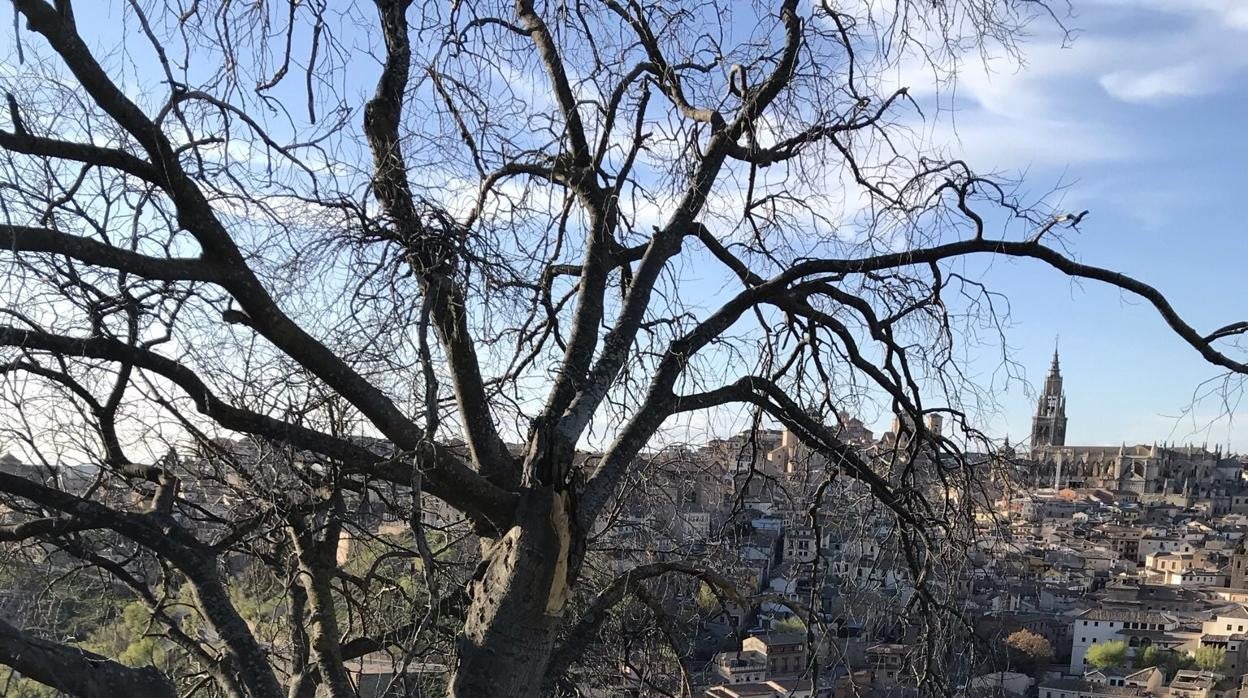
(1138, 416)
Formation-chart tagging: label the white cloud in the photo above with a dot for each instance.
(1063, 105)
(1188, 48)
(1152, 85)
(1007, 116)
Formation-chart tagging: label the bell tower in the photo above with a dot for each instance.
(1048, 426)
(1239, 568)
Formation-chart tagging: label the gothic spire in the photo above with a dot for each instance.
(1048, 426)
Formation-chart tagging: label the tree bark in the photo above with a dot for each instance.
(213, 601)
(316, 559)
(517, 599)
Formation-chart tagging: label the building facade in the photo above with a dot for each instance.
(1180, 474)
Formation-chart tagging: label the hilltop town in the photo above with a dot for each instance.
(1085, 571)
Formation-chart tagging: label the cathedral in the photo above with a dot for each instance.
(1153, 473)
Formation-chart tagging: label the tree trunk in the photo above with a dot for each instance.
(518, 596)
(315, 561)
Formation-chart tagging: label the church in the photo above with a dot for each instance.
(1156, 473)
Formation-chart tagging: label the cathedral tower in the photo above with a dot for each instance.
(1048, 426)
(1239, 568)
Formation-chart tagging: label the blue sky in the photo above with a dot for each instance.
(1142, 118)
(1139, 119)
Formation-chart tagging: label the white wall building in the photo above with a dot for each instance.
(1097, 625)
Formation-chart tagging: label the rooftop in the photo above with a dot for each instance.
(1089, 688)
(1126, 615)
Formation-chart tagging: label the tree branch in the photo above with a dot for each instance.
(52, 526)
(171, 542)
(431, 253)
(28, 144)
(77, 671)
(446, 477)
(19, 238)
(196, 214)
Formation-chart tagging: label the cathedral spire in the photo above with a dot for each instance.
(1048, 426)
(1053, 382)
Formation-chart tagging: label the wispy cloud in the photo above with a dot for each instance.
(1061, 105)
(1157, 84)
(1179, 49)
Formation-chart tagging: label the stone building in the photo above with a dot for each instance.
(1238, 570)
(1048, 426)
(1154, 473)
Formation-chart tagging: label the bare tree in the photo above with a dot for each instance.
(549, 232)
